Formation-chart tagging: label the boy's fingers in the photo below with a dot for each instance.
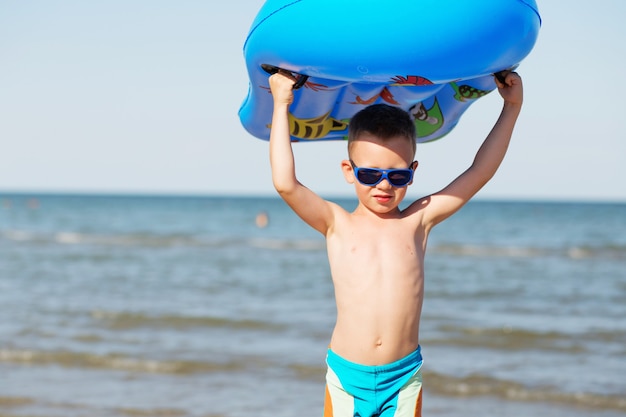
(512, 79)
(287, 74)
(276, 78)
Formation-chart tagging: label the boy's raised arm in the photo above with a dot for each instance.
(314, 210)
(444, 203)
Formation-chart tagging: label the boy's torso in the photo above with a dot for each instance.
(378, 274)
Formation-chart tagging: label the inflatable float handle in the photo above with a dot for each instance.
(501, 75)
(300, 78)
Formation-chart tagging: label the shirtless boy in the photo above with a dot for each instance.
(376, 253)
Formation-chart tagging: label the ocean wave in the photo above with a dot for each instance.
(153, 240)
(16, 402)
(128, 321)
(512, 339)
(114, 361)
(473, 385)
(22, 236)
(616, 252)
(158, 412)
(308, 372)
(481, 385)
(6, 402)
(285, 244)
(123, 239)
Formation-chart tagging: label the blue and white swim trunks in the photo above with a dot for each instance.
(392, 390)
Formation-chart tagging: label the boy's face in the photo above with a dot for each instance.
(368, 151)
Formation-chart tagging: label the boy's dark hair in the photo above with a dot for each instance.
(383, 121)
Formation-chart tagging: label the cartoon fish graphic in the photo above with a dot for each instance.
(315, 127)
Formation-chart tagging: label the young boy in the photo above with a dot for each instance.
(376, 253)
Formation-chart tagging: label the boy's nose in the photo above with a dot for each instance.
(384, 184)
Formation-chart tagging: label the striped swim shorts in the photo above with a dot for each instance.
(392, 390)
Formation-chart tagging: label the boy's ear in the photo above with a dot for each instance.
(414, 166)
(348, 172)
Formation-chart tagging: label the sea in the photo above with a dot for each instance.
(209, 306)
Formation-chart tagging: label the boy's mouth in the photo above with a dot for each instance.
(381, 198)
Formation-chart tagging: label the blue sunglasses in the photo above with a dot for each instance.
(373, 176)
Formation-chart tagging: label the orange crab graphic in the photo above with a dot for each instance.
(411, 80)
(385, 94)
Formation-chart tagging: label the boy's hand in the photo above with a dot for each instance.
(281, 86)
(511, 90)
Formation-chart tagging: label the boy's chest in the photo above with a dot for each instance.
(367, 243)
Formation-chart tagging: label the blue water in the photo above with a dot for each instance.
(181, 306)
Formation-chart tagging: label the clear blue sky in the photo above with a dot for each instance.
(142, 96)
